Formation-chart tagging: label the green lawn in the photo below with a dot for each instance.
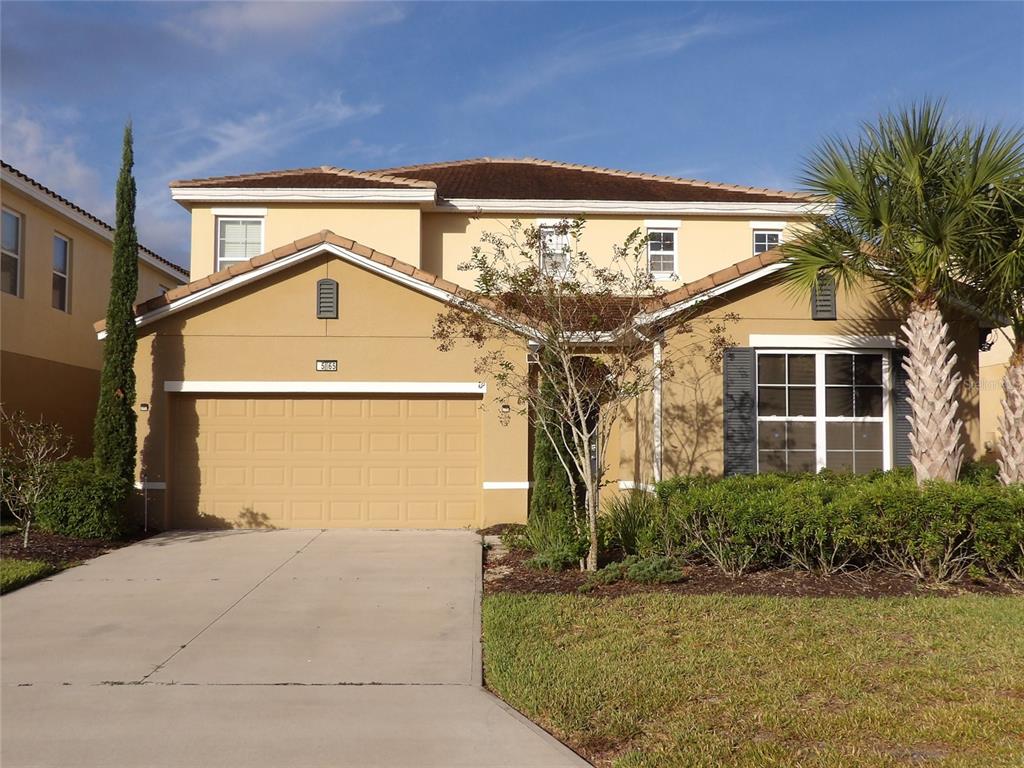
(7, 529)
(18, 573)
(673, 680)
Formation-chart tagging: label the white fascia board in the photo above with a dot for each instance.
(571, 207)
(329, 387)
(85, 222)
(661, 314)
(284, 195)
(275, 266)
(824, 341)
(502, 485)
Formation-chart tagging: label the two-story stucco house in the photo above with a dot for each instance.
(295, 380)
(57, 260)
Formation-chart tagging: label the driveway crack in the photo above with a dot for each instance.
(222, 614)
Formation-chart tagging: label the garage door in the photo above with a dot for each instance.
(320, 463)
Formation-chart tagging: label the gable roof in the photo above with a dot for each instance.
(530, 178)
(105, 230)
(322, 177)
(236, 275)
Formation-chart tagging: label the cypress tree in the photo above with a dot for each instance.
(114, 429)
(552, 491)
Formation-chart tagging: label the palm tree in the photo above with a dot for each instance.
(902, 206)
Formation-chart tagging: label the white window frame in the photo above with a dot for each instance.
(671, 227)
(820, 419)
(21, 250)
(552, 225)
(218, 220)
(764, 231)
(66, 274)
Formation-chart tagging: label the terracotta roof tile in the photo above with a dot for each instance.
(715, 279)
(95, 219)
(529, 178)
(323, 177)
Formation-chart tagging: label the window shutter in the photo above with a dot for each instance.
(900, 411)
(326, 299)
(823, 298)
(739, 411)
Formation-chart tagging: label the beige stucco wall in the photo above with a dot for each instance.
(390, 229)
(692, 398)
(45, 348)
(993, 364)
(704, 244)
(269, 332)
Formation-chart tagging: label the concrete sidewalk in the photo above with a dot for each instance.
(260, 648)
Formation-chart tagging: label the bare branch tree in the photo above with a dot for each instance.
(545, 312)
(27, 458)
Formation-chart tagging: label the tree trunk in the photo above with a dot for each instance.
(1011, 421)
(24, 534)
(935, 428)
(592, 504)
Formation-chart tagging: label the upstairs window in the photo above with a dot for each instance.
(554, 248)
(238, 239)
(765, 240)
(10, 254)
(661, 252)
(61, 280)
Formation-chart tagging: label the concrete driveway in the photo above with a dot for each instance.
(260, 648)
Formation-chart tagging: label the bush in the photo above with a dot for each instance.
(656, 569)
(554, 541)
(84, 501)
(629, 523)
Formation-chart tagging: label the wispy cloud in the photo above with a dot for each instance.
(210, 146)
(222, 26)
(581, 54)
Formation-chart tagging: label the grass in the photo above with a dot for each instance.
(18, 573)
(677, 680)
(7, 529)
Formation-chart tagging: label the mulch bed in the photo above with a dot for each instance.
(510, 573)
(57, 550)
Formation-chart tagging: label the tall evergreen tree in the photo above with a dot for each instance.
(114, 429)
(552, 490)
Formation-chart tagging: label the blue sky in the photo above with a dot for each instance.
(735, 92)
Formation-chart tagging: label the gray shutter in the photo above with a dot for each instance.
(326, 299)
(900, 411)
(739, 411)
(823, 298)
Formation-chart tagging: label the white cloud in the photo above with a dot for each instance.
(225, 25)
(30, 146)
(209, 146)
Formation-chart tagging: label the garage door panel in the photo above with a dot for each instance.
(311, 462)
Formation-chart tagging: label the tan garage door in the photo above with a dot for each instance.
(319, 463)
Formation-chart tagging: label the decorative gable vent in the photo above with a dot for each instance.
(326, 299)
(823, 298)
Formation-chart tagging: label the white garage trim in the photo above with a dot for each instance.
(511, 485)
(630, 485)
(329, 387)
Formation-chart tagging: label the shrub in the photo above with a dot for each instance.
(84, 501)
(629, 523)
(999, 533)
(555, 543)
(656, 569)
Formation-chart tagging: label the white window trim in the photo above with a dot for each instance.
(820, 419)
(662, 274)
(763, 231)
(66, 275)
(768, 226)
(339, 387)
(662, 223)
(811, 341)
(218, 263)
(542, 224)
(240, 213)
(21, 250)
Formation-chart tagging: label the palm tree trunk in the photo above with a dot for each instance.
(1011, 420)
(935, 428)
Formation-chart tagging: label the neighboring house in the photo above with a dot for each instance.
(295, 380)
(55, 282)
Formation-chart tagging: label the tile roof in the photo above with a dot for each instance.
(533, 179)
(613, 312)
(323, 177)
(78, 209)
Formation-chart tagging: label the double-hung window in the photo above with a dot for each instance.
(823, 410)
(61, 280)
(765, 240)
(553, 242)
(10, 253)
(238, 239)
(661, 252)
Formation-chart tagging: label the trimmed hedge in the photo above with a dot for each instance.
(830, 522)
(85, 502)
